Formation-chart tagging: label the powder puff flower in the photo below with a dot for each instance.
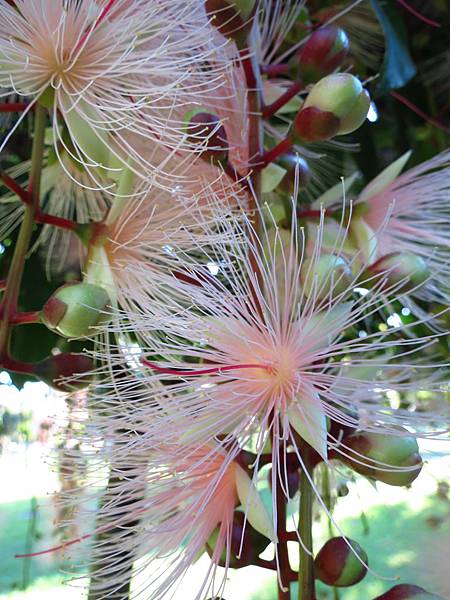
(133, 248)
(409, 213)
(107, 69)
(270, 357)
(161, 508)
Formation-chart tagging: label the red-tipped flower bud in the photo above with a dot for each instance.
(402, 267)
(329, 274)
(252, 545)
(405, 591)
(388, 455)
(296, 169)
(322, 54)
(70, 366)
(75, 308)
(206, 131)
(233, 18)
(336, 105)
(336, 564)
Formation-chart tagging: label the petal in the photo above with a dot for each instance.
(384, 178)
(321, 329)
(365, 239)
(99, 272)
(335, 193)
(257, 515)
(308, 419)
(271, 177)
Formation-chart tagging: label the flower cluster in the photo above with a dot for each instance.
(236, 318)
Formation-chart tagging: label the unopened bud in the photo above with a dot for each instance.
(253, 543)
(75, 308)
(406, 591)
(388, 456)
(206, 131)
(336, 105)
(328, 274)
(297, 172)
(233, 18)
(337, 564)
(322, 54)
(405, 268)
(65, 372)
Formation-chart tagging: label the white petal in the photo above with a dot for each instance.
(257, 515)
(384, 178)
(308, 419)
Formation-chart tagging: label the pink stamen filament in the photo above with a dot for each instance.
(417, 14)
(101, 17)
(55, 548)
(208, 371)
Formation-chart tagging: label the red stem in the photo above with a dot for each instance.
(9, 107)
(290, 93)
(309, 214)
(268, 157)
(417, 14)
(420, 112)
(42, 217)
(16, 188)
(16, 366)
(2, 284)
(192, 373)
(274, 70)
(21, 318)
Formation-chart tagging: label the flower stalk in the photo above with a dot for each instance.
(306, 589)
(9, 303)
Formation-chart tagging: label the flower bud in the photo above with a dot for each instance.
(296, 167)
(75, 308)
(395, 451)
(65, 366)
(328, 274)
(337, 565)
(205, 130)
(252, 544)
(233, 18)
(402, 267)
(406, 591)
(322, 54)
(336, 105)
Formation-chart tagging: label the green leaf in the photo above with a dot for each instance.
(397, 68)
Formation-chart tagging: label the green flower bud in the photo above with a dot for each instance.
(75, 308)
(336, 105)
(205, 130)
(395, 451)
(329, 274)
(233, 18)
(400, 267)
(252, 545)
(322, 54)
(66, 365)
(406, 591)
(337, 565)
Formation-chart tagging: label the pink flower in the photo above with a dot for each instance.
(108, 70)
(409, 213)
(268, 358)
